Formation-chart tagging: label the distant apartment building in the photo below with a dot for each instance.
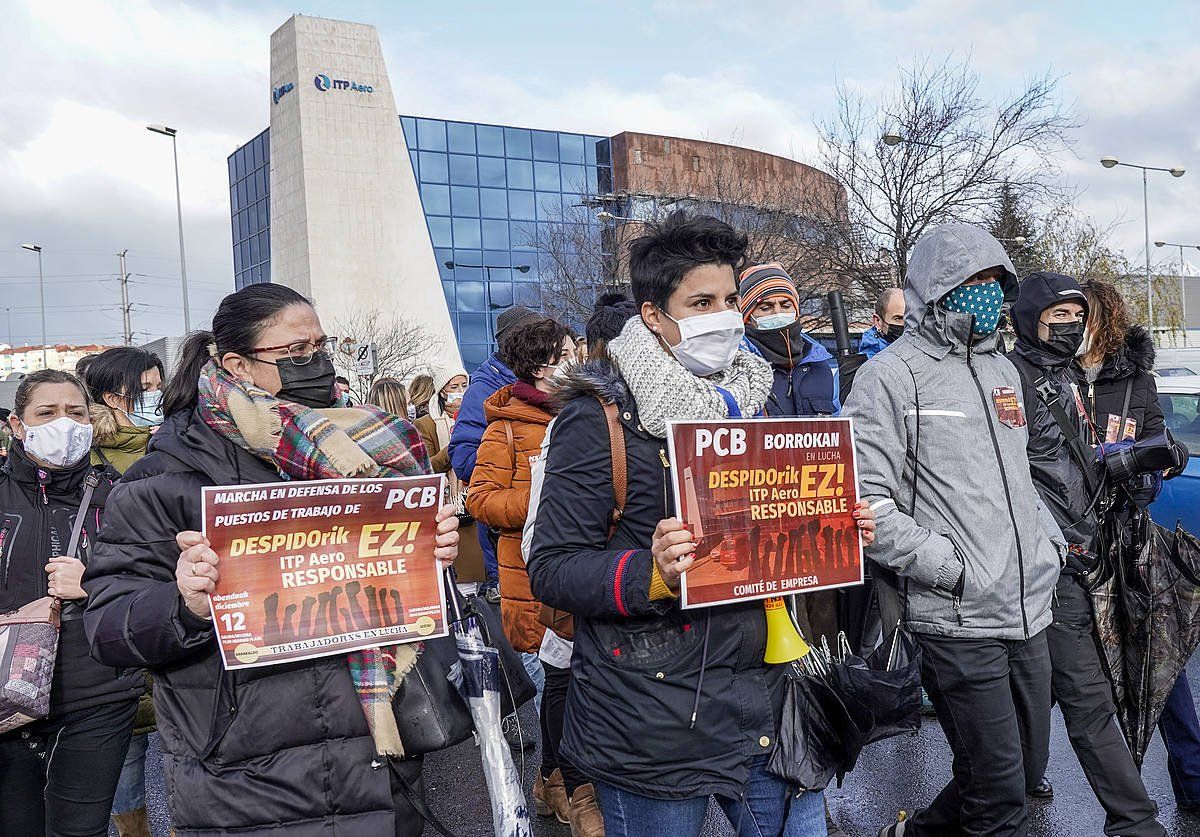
(25, 359)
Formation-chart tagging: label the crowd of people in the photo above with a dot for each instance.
(983, 512)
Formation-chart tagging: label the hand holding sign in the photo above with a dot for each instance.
(196, 572)
(673, 551)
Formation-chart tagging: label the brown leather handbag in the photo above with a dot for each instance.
(561, 621)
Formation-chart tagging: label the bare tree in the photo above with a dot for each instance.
(403, 348)
(1073, 244)
(930, 151)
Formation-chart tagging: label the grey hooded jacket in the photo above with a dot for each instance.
(931, 399)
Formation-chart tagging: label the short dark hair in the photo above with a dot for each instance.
(241, 317)
(343, 380)
(43, 376)
(531, 345)
(660, 257)
(119, 372)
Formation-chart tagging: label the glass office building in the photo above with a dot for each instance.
(490, 194)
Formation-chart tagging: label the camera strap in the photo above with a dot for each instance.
(1081, 453)
(1125, 408)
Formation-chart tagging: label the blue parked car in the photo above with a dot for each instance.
(1180, 498)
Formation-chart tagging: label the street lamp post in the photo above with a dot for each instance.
(1174, 171)
(1182, 284)
(37, 248)
(891, 140)
(170, 132)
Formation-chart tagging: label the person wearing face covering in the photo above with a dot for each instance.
(287, 749)
(125, 385)
(940, 432)
(58, 775)
(1049, 319)
(667, 707)
(887, 323)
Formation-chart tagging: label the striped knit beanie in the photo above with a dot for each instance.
(763, 281)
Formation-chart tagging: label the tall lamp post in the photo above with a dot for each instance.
(1175, 171)
(1182, 284)
(170, 132)
(37, 248)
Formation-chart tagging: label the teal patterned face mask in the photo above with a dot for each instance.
(984, 301)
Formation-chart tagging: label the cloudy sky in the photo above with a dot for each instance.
(81, 176)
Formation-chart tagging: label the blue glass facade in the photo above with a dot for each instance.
(490, 193)
(250, 210)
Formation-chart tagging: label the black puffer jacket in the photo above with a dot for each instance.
(1056, 473)
(1128, 367)
(639, 664)
(281, 749)
(37, 512)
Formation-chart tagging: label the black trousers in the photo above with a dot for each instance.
(1084, 695)
(58, 776)
(554, 707)
(992, 699)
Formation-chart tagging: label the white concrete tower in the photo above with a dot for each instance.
(347, 229)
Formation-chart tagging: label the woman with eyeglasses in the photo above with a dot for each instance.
(283, 748)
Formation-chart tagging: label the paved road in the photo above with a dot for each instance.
(891, 774)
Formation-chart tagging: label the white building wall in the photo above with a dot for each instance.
(347, 228)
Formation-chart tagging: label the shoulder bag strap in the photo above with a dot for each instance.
(508, 435)
(1070, 431)
(1125, 408)
(89, 485)
(616, 444)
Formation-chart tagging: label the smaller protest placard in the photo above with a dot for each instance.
(310, 569)
(770, 503)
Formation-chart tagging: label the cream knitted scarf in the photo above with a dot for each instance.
(665, 391)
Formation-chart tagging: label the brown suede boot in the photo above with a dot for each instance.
(586, 819)
(133, 823)
(550, 797)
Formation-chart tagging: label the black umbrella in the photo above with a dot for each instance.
(1148, 622)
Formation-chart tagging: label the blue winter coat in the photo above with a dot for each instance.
(807, 389)
(488, 377)
(872, 342)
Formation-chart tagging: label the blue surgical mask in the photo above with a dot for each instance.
(770, 322)
(984, 301)
(147, 409)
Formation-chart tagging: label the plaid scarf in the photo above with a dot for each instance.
(337, 443)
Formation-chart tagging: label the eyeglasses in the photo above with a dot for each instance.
(302, 352)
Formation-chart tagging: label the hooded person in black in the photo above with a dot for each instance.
(1049, 320)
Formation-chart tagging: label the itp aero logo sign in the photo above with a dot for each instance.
(324, 83)
(279, 92)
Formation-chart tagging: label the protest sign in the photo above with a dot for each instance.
(309, 569)
(769, 503)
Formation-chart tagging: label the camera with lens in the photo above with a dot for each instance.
(1153, 454)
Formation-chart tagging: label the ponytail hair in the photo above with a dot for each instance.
(240, 319)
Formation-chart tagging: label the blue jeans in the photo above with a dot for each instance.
(762, 811)
(533, 667)
(131, 788)
(1181, 734)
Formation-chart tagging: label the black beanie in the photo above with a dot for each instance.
(612, 311)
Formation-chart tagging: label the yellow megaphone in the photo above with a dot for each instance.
(784, 643)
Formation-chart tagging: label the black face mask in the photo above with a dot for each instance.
(1064, 340)
(892, 333)
(310, 385)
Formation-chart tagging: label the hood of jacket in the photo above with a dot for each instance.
(1039, 291)
(505, 404)
(107, 433)
(943, 259)
(1135, 355)
(594, 379)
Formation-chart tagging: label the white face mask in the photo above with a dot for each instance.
(769, 322)
(708, 343)
(1085, 344)
(61, 443)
